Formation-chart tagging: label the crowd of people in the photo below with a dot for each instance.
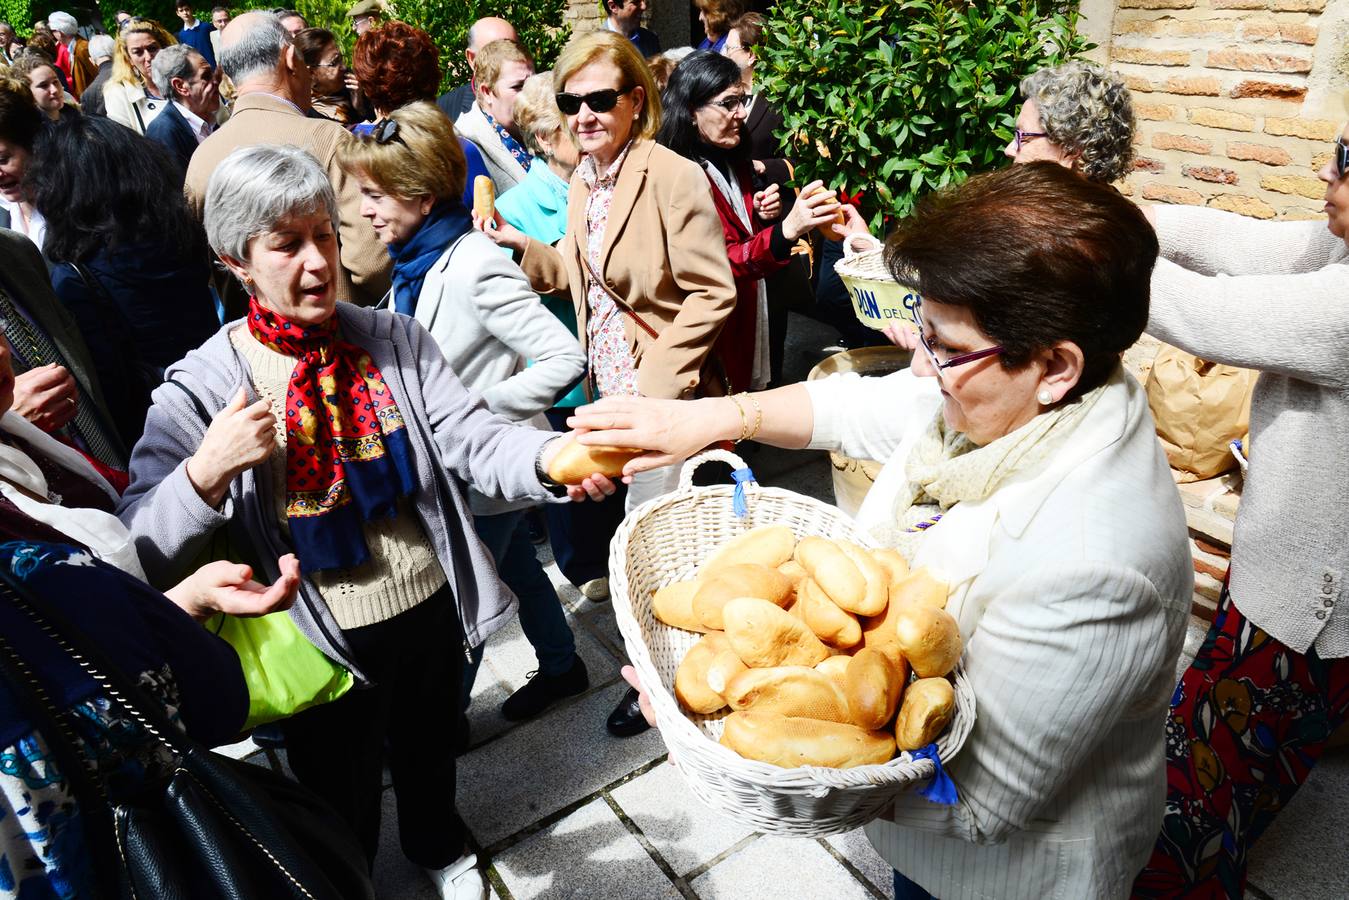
(248, 299)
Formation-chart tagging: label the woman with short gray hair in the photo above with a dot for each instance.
(1079, 115)
(340, 434)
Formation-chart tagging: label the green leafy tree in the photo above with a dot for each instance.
(538, 22)
(893, 100)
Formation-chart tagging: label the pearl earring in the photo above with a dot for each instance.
(1045, 397)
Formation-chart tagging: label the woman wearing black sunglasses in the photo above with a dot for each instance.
(1272, 296)
(643, 257)
(706, 104)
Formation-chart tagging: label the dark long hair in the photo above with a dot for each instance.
(697, 79)
(101, 186)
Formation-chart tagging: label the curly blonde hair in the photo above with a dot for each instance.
(1086, 109)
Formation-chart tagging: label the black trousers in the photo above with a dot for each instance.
(415, 662)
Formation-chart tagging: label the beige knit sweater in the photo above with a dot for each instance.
(402, 570)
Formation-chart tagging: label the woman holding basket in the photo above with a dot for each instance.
(1021, 467)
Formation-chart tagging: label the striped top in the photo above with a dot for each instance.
(1071, 584)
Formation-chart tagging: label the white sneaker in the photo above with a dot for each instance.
(460, 880)
(596, 590)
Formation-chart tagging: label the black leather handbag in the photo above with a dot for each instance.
(211, 827)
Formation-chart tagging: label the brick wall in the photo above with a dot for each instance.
(582, 15)
(1237, 100)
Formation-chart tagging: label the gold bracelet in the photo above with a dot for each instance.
(744, 420)
(758, 416)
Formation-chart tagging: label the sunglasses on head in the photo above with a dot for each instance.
(1341, 157)
(598, 101)
(385, 131)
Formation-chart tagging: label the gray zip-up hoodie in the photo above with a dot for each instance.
(454, 438)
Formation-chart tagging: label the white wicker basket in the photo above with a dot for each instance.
(877, 299)
(665, 540)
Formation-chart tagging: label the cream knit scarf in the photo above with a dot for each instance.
(945, 467)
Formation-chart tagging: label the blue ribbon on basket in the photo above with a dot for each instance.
(939, 788)
(740, 477)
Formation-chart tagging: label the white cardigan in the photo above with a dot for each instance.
(1072, 586)
(488, 321)
(1274, 296)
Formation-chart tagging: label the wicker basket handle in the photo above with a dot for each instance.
(693, 462)
(865, 243)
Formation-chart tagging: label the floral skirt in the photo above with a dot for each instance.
(1248, 722)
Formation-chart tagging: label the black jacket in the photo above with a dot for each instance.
(171, 131)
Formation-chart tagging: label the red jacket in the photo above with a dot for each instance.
(752, 258)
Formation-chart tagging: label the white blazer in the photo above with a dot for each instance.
(1072, 585)
(131, 105)
(488, 322)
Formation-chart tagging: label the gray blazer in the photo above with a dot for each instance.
(454, 438)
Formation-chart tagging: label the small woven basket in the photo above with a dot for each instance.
(877, 299)
(665, 540)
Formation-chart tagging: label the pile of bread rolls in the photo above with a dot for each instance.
(810, 643)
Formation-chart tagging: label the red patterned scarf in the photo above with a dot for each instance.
(348, 459)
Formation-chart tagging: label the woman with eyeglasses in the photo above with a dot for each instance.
(1021, 468)
(321, 54)
(130, 95)
(1251, 715)
(705, 105)
(1078, 115)
(643, 257)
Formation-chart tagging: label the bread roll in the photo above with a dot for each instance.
(836, 667)
(833, 229)
(738, 580)
(790, 741)
(829, 623)
(879, 633)
(575, 461)
(921, 587)
(763, 634)
(789, 691)
(673, 605)
(928, 707)
(484, 201)
(878, 582)
(894, 564)
(872, 687)
(725, 666)
(691, 688)
(929, 638)
(834, 571)
(793, 570)
(767, 545)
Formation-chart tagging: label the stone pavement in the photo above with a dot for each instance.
(560, 809)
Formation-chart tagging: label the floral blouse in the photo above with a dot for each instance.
(611, 363)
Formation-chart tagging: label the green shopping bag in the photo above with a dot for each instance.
(285, 673)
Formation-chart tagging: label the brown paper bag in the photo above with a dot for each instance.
(1200, 407)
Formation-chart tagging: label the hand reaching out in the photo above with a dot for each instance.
(229, 587)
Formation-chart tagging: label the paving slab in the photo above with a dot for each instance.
(776, 868)
(856, 849)
(684, 831)
(588, 854)
(1305, 853)
(546, 764)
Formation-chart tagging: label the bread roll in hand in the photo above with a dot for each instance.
(575, 462)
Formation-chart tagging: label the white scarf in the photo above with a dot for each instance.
(730, 189)
(103, 533)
